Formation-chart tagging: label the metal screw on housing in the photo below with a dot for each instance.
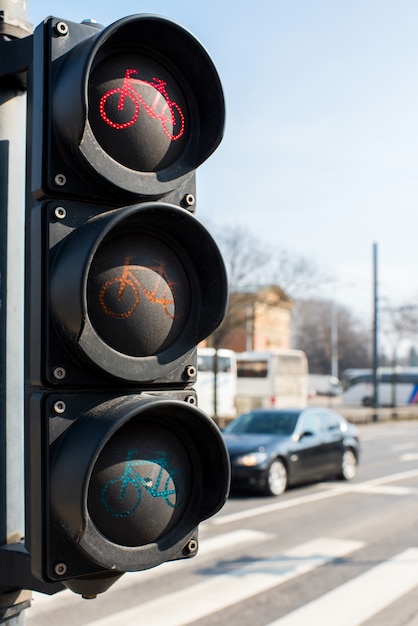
(60, 180)
(60, 569)
(61, 29)
(190, 548)
(189, 199)
(190, 371)
(60, 406)
(59, 373)
(60, 213)
(190, 400)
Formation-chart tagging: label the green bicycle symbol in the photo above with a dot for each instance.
(117, 492)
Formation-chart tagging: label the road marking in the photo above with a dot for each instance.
(409, 445)
(368, 486)
(44, 603)
(409, 456)
(274, 506)
(387, 490)
(356, 601)
(226, 589)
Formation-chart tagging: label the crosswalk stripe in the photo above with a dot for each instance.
(409, 456)
(219, 592)
(356, 601)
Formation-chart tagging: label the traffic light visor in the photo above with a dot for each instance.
(146, 106)
(148, 471)
(135, 289)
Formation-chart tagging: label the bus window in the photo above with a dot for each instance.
(252, 369)
(275, 378)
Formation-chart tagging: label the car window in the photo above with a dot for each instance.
(311, 423)
(329, 421)
(264, 422)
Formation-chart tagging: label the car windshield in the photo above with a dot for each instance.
(264, 422)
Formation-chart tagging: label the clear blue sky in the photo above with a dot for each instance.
(320, 154)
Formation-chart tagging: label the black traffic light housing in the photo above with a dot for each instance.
(128, 477)
(122, 284)
(156, 70)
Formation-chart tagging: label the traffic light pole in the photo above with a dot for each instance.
(13, 58)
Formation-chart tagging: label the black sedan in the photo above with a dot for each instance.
(270, 449)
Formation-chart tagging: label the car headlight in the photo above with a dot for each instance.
(251, 459)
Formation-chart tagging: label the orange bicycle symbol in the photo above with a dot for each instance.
(171, 116)
(128, 287)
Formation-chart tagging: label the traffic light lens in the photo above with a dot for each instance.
(138, 294)
(140, 485)
(137, 111)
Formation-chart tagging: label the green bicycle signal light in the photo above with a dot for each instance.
(141, 485)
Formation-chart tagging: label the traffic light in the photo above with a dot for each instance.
(122, 284)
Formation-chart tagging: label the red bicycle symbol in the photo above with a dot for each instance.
(170, 115)
(125, 289)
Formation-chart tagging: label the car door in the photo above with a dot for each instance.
(307, 455)
(332, 437)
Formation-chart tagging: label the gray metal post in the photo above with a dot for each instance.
(334, 339)
(375, 337)
(13, 25)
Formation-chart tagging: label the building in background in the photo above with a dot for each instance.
(255, 321)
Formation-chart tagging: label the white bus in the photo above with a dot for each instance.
(226, 383)
(277, 378)
(324, 385)
(396, 386)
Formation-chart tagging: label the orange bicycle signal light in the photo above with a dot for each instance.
(133, 291)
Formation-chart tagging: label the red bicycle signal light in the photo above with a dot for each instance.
(144, 113)
(134, 108)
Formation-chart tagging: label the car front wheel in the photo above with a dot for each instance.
(348, 465)
(276, 478)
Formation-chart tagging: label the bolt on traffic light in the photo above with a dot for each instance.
(122, 284)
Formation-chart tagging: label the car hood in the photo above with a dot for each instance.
(241, 444)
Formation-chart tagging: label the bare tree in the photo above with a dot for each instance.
(298, 276)
(253, 266)
(312, 333)
(396, 324)
(245, 258)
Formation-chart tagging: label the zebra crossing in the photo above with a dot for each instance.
(373, 590)
(356, 601)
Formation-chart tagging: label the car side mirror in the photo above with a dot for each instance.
(306, 433)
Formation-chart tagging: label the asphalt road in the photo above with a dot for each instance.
(330, 554)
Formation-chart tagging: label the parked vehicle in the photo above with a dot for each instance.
(226, 382)
(276, 378)
(324, 385)
(270, 449)
(397, 386)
